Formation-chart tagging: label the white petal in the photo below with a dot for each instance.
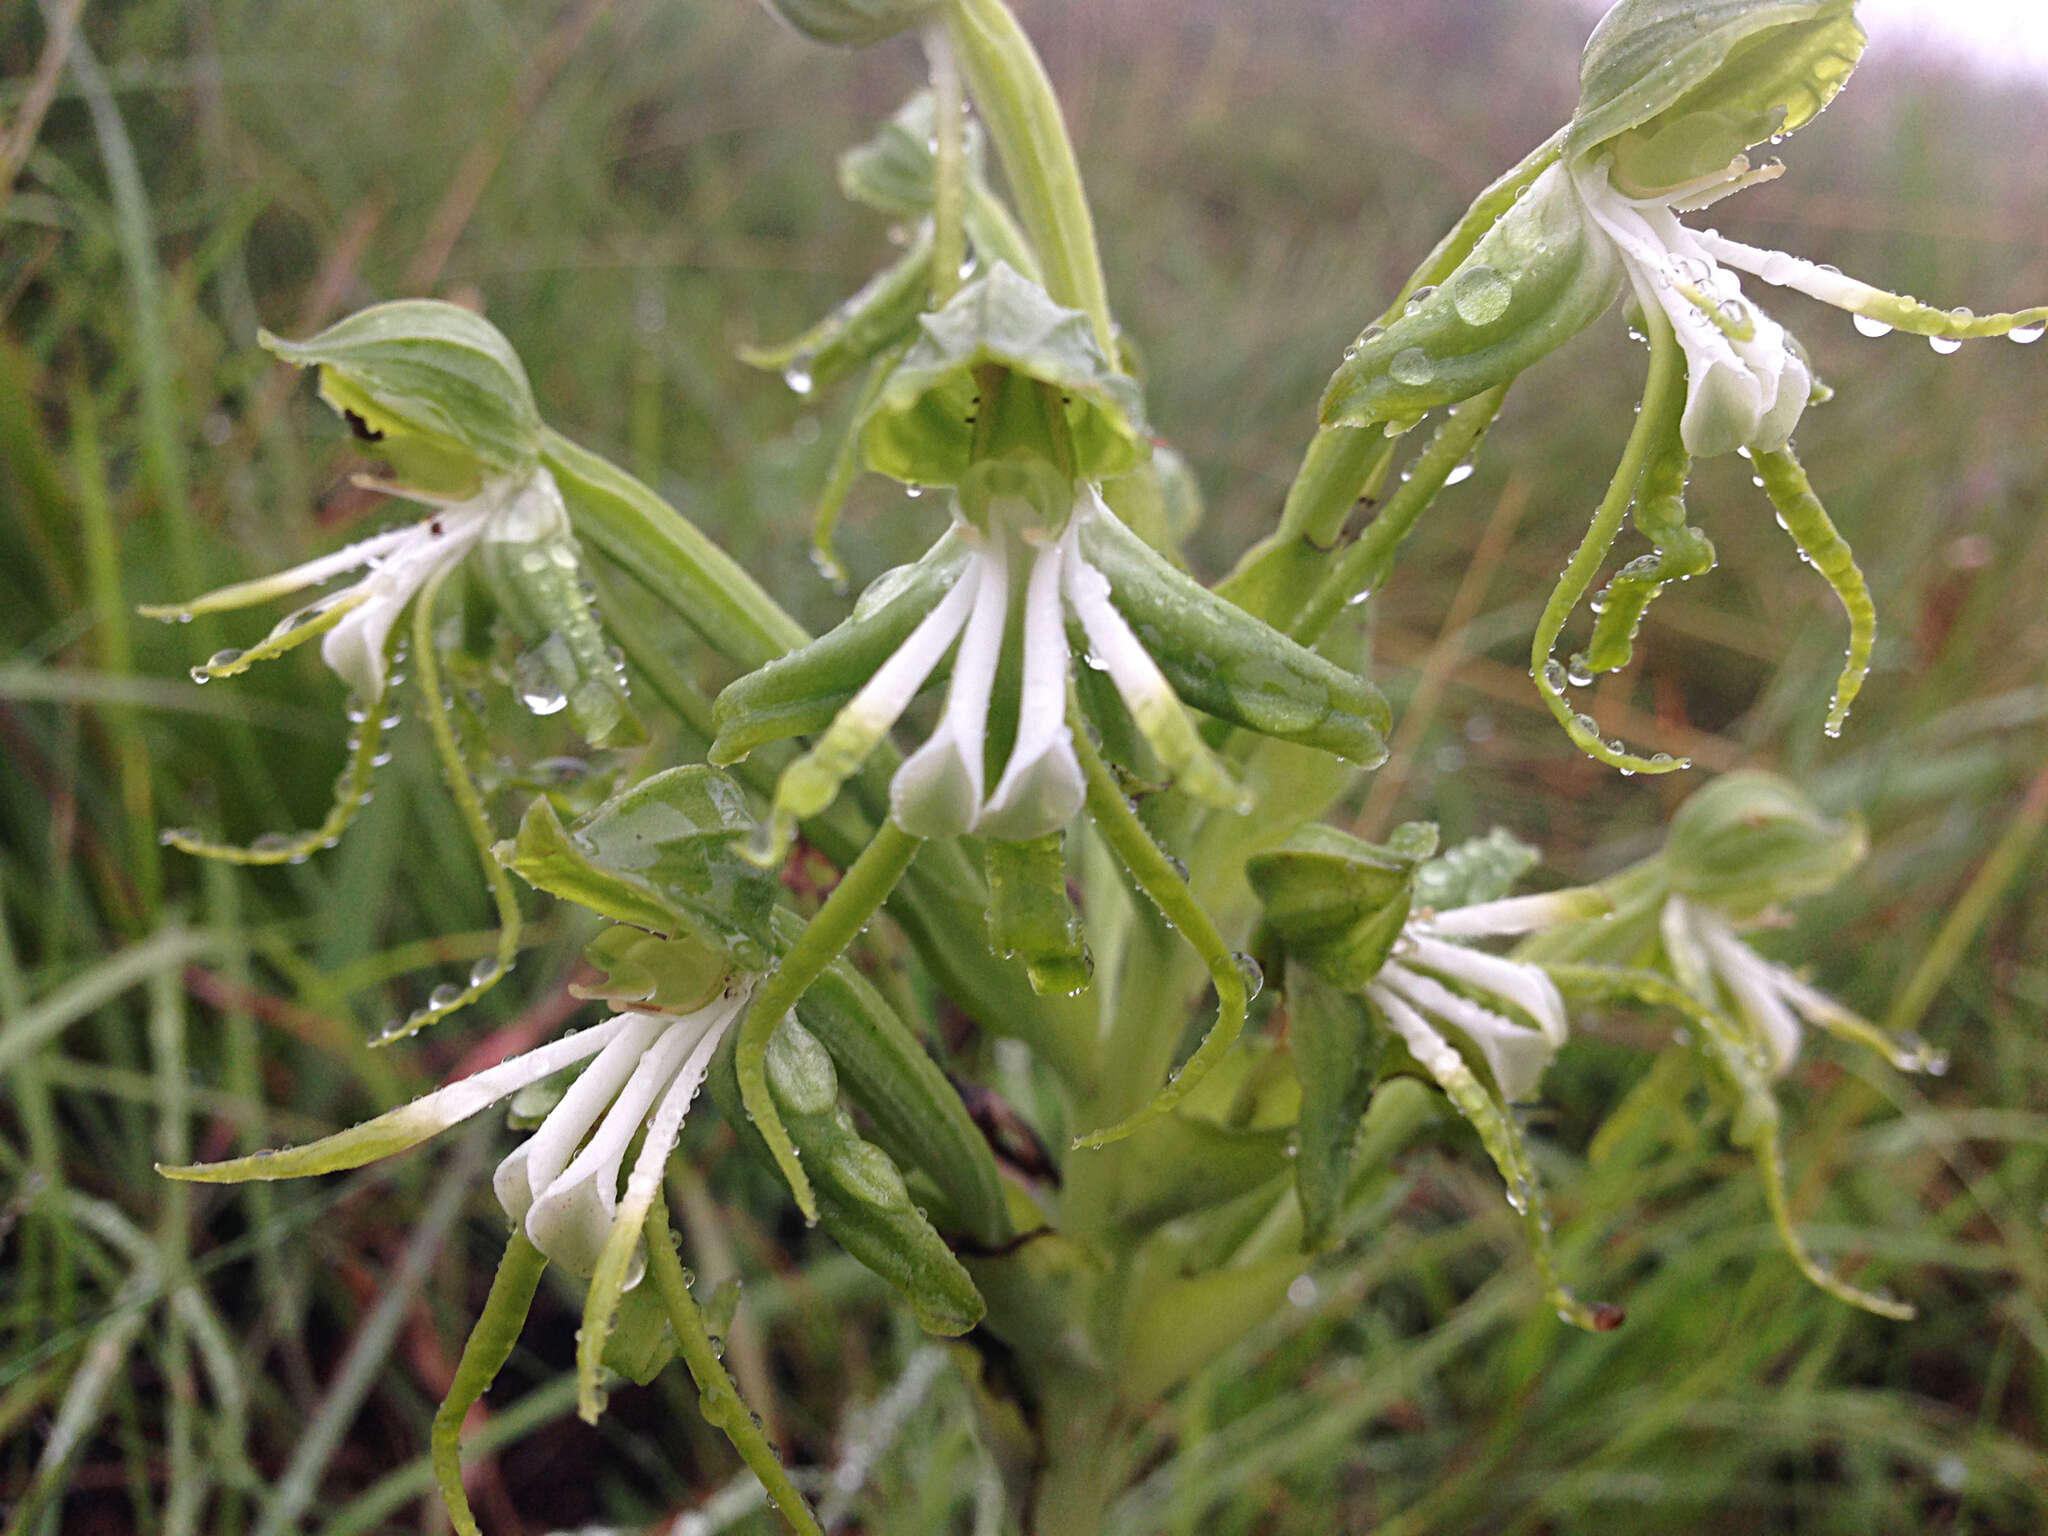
(869, 714)
(1677, 926)
(1515, 1055)
(535, 1162)
(525, 511)
(1750, 982)
(1439, 1058)
(571, 1216)
(937, 791)
(355, 648)
(1517, 914)
(245, 593)
(1523, 985)
(1787, 271)
(1042, 787)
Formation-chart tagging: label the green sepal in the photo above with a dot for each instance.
(641, 1341)
(437, 387)
(1676, 89)
(860, 329)
(568, 662)
(1031, 915)
(666, 855)
(646, 972)
(1751, 840)
(800, 693)
(1536, 279)
(893, 172)
(915, 1113)
(1226, 663)
(1336, 1045)
(1336, 901)
(922, 427)
(1183, 1163)
(862, 1199)
(851, 23)
(1480, 869)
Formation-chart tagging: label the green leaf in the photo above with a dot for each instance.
(1337, 902)
(921, 428)
(851, 23)
(428, 377)
(1482, 869)
(1677, 88)
(1226, 663)
(1336, 1045)
(1536, 279)
(666, 856)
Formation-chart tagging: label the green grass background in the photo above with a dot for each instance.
(630, 190)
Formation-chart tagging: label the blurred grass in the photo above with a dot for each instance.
(632, 188)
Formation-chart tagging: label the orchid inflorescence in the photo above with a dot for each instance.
(1104, 714)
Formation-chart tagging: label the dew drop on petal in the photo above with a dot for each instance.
(1871, 326)
(2026, 335)
(1945, 345)
(444, 996)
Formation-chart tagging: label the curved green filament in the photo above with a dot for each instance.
(351, 788)
(1663, 395)
(1828, 552)
(717, 1398)
(1755, 1128)
(1168, 890)
(489, 1347)
(1682, 552)
(859, 894)
(434, 705)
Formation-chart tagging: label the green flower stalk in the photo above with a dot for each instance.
(1674, 94)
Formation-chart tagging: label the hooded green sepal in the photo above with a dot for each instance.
(862, 1199)
(927, 427)
(535, 571)
(800, 693)
(860, 329)
(894, 171)
(1676, 89)
(1536, 279)
(1031, 915)
(1336, 1045)
(436, 387)
(1336, 901)
(645, 972)
(666, 855)
(1683, 552)
(1226, 663)
(1751, 840)
(916, 1115)
(1478, 870)
(851, 23)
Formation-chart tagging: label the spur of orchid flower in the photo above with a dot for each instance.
(1007, 398)
(1673, 97)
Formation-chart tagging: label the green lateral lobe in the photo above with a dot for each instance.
(861, 1197)
(428, 371)
(1537, 278)
(800, 693)
(1682, 552)
(1803, 516)
(1677, 88)
(1225, 663)
(661, 549)
(1336, 1046)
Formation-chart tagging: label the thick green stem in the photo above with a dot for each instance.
(489, 1347)
(1022, 114)
(717, 1398)
(865, 886)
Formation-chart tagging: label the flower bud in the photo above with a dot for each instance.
(1676, 89)
(851, 23)
(1750, 840)
(437, 387)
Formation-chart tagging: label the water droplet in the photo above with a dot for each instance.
(1481, 295)
(445, 995)
(1554, 675)
(1580, 673)
(483, 973)
(798, 379)
(2026, 335)
(1358, 598)
(1461, 474)
(1420, 297)
(913, 491)
(1254, 975)
(1588, 725)
(271, 844)
(1871, 326)
(222, 659)
(1945, 345)
(1302, 1290)
(201, 675)
(1412, 366)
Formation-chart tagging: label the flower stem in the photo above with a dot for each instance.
(865, 886)
(489, 1347)
(1017, 103)
(949, 167)
(717, 1398)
